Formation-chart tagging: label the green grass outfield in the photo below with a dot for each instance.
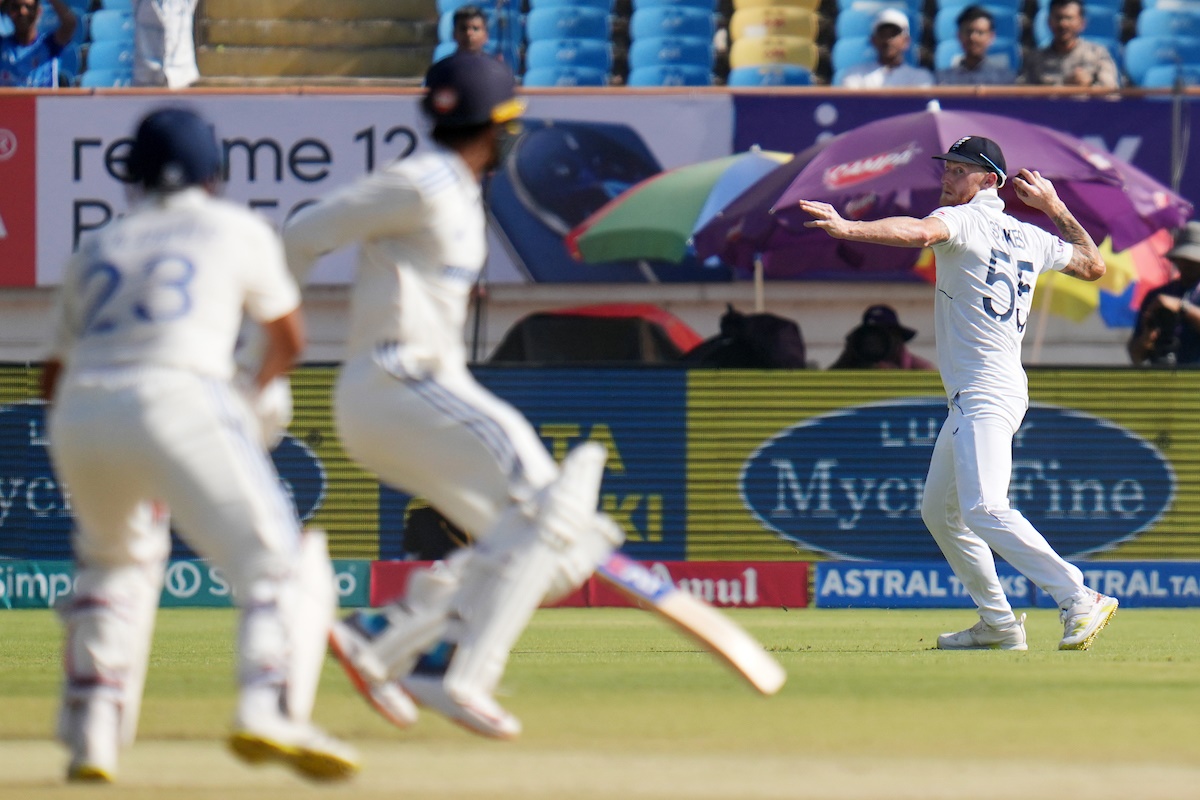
(617, 705)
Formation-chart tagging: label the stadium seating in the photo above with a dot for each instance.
(656, 21)
(110, 55)
(118, 5)
(565, 76)
(760, 50)
(110, 25)
(660, 51)
(589, 53)
(1006, 7)
(1006, 50)
(810, 5)
(105, 78)
(1167, 22)
(567, 22)
(774, 21)
(670, 75)
(1164, 76)
(770, 75)
(1144, 52)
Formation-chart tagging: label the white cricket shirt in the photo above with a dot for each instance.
(986, 274)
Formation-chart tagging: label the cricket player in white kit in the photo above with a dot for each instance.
(146, 423)
(407, 408)
(988, 265)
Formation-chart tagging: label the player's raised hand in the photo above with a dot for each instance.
(825, 217)
(1034, 190)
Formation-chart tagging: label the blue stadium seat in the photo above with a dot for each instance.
(1144, 52)
(110, 55)
(118, 5)
(592, 53)
(69, 63)
(565, 76)
(850, 50)
(707, 5)
(444, 6)
(670, 75)
(1112, 5)
(1007, 6)
(603, 5)
(1164, 76)
(873, 7)
(647, 23)
(945, 24)
(106, 26)
(770, 75)
(1165, 22)
(1102, 24)
(567, 22)
(1007, 49)
(105, 78)
(661, 51)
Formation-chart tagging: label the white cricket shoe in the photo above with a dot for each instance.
(304, 747)
(477, 713)
(1084, 620)
(982, 636)
(351, 646)
(91, 730)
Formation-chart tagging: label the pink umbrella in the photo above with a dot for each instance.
(885, 168)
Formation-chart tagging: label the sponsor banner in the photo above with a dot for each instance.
(389, 579)
(186, 584)
(726, 584)
(284, 151)
(1141, 584)
(18, 200)
(834, 467)
(889, 584)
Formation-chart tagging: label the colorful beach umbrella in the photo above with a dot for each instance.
(655, 219)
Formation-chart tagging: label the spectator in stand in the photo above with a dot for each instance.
(880, 342)
(30, 58)
(1069, 60)
(164, 48)
(891, 40)
(470, 29)
(976, 33)
(1168, 325)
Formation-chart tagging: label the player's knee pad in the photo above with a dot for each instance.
(309, 610)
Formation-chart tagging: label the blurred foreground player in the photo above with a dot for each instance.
(407, 408)
(145, 419)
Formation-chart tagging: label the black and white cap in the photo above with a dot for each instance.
(980, 151)
(468, 89)
(174, 148)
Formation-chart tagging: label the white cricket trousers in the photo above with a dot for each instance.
(127, 441)
(966, 508)
(442, 437)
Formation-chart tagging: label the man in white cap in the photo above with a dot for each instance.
(891, 39)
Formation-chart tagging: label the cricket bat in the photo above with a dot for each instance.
(696, 618)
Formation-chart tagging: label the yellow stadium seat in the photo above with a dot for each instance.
(754, 50)
(773, 21)
(810, 5)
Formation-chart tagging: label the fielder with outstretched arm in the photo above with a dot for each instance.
(987, 267)
(407, 408)
(145, 418)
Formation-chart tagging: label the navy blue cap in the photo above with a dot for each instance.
(466, 89)
(174, 148)
(980, 151)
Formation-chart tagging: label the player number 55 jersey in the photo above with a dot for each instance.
(986, 274)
